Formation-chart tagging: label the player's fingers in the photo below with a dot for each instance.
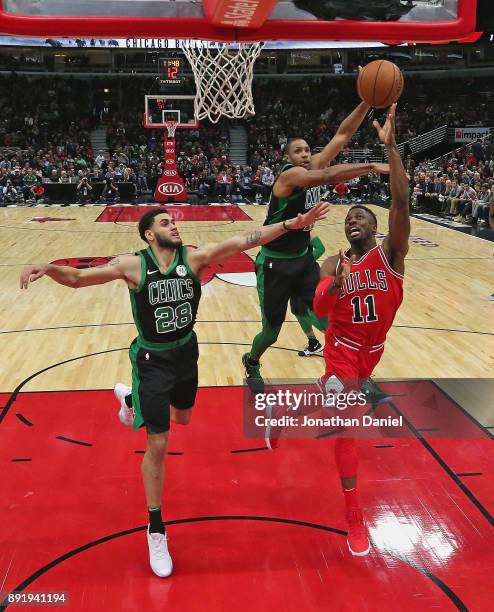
(353, 258)
(323, 208)
(376, 124)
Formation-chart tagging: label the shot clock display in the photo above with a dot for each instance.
(170, 71)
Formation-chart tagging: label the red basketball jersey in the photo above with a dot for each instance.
(367, 303)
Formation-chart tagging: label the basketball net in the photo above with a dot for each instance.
(171, 126)
(223, 76)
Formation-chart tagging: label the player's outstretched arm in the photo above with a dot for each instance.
(347, 129)
(126, 267)
(395, 245)
(218, 252)
(300, 177)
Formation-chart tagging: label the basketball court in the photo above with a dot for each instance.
(249, 529)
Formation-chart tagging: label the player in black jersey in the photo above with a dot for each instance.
(285, 267)
(164, 292)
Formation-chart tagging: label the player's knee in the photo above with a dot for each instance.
(181, 417)
(271, 333)
(156, 445)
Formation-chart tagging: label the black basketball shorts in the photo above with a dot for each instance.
(278, 280)
(161, 379)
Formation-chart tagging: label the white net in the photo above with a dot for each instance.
(223, 76)
(171, 126)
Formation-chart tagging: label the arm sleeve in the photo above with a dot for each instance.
(318, 247)
(324, 302)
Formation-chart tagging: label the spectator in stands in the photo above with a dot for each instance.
(267, 181)
(98, 175)
(224, 184)
(429, 193)
(142, 182)
(443, 197)
(246, 181)
(478, 150)
(467, 195)
(37, 192)
(439, 190)
(30, 179)
(236, 191)
(100, 159)
(480, 205)
(453, 194)
(257, 186)
(342, 191)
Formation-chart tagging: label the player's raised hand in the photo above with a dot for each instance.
(343, 269)
(31, 273)
(386, 133)
(316, 213)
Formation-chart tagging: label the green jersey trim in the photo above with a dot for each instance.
(162, 346)
(280, 255)
(133, 305)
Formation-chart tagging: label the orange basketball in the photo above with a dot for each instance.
(380, 83)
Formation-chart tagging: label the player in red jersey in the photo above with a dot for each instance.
(360, 291)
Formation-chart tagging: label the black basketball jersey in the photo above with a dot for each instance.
(164, 305)
(300, 200)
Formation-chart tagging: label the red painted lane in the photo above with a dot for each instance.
(70, 495)
(122, 214)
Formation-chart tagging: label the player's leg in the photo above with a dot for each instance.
(342, 372)
(303, 295)
(153, 477)
(314, 347)
(153, 377)
(273, 288)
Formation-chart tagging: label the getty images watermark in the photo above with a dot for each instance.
(439, 408)
(311, 409)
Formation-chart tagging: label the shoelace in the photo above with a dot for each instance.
(159, 547)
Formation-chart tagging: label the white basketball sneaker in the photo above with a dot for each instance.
(125, 413)
(159, 557)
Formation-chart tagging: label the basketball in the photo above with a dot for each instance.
(380, 83)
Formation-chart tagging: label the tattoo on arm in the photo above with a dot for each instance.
(113, 262)
(253, 239)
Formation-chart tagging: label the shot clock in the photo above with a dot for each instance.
(170, 71)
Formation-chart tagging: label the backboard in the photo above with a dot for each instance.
(163, 107)
(238, 20)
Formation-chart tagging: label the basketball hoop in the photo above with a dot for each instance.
(223, 76)
(171, 126)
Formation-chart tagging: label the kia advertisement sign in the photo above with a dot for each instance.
(170, 189)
